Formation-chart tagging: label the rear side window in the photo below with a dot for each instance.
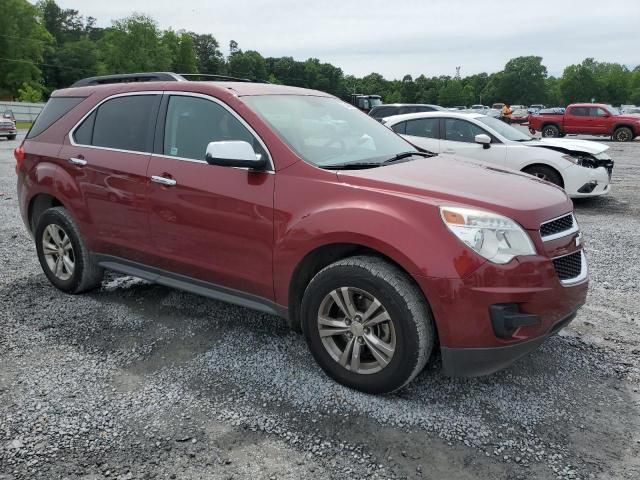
(382, 112)
(580, 111)
(423, 127)
(54, 110)
(122, 123)
(399, 127)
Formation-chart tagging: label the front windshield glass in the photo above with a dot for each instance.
(326, 131)
(504, 130)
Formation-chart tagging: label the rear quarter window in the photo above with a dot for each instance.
(54, 110)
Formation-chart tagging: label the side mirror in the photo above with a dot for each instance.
(234, 153)
(484, 140)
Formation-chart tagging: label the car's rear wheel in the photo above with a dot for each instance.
(550, 131)
(623, 134)
(63, 254)
(545, 173)
(367, 324)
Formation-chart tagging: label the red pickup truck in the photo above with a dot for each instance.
(587, 119)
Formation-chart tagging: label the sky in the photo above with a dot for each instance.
(400, 37)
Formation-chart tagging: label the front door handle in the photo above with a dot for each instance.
(81, 162)
(169, 182)
(449, 150)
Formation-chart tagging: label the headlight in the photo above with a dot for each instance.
(495, 237)
(572, 159)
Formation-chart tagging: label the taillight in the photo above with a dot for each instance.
(19, 154)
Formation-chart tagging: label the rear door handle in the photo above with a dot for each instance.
(169, 182)
(449, 150)
(81, 162)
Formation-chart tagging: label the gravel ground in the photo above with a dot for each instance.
(141, 381)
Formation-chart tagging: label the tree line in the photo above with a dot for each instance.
(44, 47)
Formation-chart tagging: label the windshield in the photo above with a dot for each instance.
(326, 131)
(504, 130)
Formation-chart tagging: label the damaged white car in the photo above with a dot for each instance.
(581, 167)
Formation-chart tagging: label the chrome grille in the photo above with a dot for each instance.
(558, 227)
(568, 267)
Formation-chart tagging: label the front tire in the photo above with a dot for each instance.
(62, 253)
(550, 131)
(545, 173)
(623, 134)
(367, 324)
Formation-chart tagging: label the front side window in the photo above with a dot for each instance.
(122, 123)
(327, 132)
(457, 130)
(423, 127)
(503, 129)
(192, 123)
(597, 112)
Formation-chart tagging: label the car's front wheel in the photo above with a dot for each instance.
(63, 254)
(367, 324)
(545, 173)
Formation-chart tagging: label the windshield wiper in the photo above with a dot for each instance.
(351, 166)
(403, 155)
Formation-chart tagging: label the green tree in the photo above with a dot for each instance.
(209, 58)
(249, 64)
(579, 83)
(522, 80)
(22, 45)
(28, 93)
(134, 44)
(451, 94)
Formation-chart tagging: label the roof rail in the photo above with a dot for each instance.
(129, 77)
(158, 77)
(216, 78)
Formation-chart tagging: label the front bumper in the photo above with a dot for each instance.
(475, 362)
(576, 178)
(464, 309)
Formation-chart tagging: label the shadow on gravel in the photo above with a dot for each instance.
(564, 406)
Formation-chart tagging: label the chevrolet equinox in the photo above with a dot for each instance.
(292, 202)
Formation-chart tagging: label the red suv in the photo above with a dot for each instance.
(292, 202)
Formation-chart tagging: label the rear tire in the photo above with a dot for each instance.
(545, 173)
(338, 311)
(623, 134)
(550, 131)
(62, 253)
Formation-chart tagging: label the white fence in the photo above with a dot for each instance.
(23, 111)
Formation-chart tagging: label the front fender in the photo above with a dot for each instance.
(413, 236)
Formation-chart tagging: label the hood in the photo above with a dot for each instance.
(455, 180)
(570, 145)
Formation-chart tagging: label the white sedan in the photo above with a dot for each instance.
(581, 167)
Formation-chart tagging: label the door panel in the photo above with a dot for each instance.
(209, 222)
(458, 138)
(108, 160)
(113, 185)
(214, 224)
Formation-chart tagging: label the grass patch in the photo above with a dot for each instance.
(25, 125)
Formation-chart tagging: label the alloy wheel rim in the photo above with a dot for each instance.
(541, 176)
(58, 252)
(356, 330)
(623, 136)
